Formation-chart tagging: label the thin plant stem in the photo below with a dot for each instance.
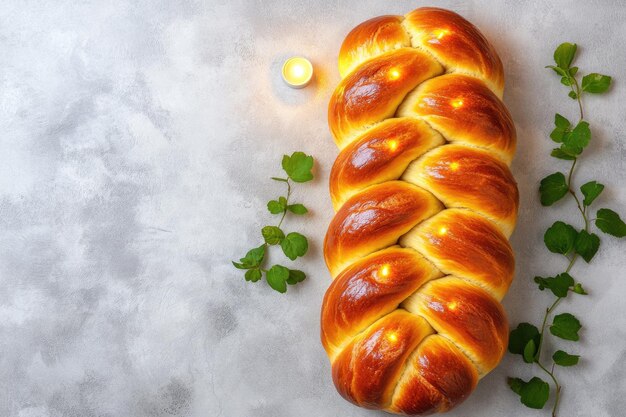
(287, 202)
(543, 325)
(576, 89)
(573, 193)
(577, 92)
(557, 386)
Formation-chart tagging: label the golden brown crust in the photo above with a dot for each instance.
(464, 111)
(438, 377)
(467, 316)
(366, 371)
(426, 144)
(464, 177)
(368, 289)
(374, 219)
(370, 39)
(416, 397)
(381, 154)
(446, 368)
(373, 91)
(463, 243)
(456, 43)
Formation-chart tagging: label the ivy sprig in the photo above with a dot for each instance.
(298, 168)
(563, 238)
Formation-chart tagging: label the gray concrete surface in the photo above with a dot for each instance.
(137, 138)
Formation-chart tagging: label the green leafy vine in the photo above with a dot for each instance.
(298, 169)
(564, 239)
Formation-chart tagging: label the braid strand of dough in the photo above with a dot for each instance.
(425, 203)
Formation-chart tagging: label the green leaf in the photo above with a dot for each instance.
(559, 285)
(552, 188)
(587, 245)
(565, 359)
(557, 135)
(294, 245)
(297, 209)
(596, 83)
(562, 154)
(562, 127)
(560, 71)
(591, 191)
(565, 326)
(572, 95)
(609, 222)
(516, 384)
(272, 235)
(253, 275)
(573, 71)
(256, 254)
(277, 278)
(572, 150)
(295, 276)
(564, 54)
(560, 238)
(275, 207)
(530, 350)
(578, 289)
(561, 121)
(567, 81)
(520, 337)
(298, 166)
(579, 137)
(253, 258)
(533, 394)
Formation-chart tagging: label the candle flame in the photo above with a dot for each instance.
(384, 271)
(454, 166)
(392, 337)
(394, 74)
(443, 230)
(393, 145)
(297, 70)
(452, 305)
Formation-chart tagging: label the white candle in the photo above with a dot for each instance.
(297, 72)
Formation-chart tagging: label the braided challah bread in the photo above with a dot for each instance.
(425, 203)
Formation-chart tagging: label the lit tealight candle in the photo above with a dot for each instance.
(297, 72)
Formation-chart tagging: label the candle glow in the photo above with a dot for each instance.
(440, 33)
(297, 72)
(457, 103)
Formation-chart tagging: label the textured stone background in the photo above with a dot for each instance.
(137, 138)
